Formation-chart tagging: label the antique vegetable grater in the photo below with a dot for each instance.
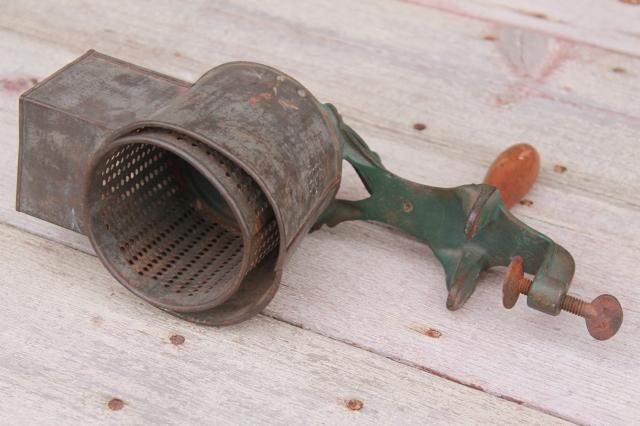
(195, 195)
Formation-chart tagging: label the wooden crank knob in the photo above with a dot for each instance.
(513, 172)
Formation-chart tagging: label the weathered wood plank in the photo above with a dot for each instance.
(609, 24)
(387, 65)
(360, 284)
(46, 230)
(471, 103)
(62, 361)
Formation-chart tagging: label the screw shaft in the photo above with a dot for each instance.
(524, 285)
(603, 315)
(574, 305)
(569, 303)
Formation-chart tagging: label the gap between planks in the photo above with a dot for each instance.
(73, 240)
(175, 395)
(423, 368)
(623, 42)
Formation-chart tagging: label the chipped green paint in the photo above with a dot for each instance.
(467, 227)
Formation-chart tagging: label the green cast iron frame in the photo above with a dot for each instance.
(467, 227)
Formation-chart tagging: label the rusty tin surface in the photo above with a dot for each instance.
(66, 118)
(254, 117)
(194, 195)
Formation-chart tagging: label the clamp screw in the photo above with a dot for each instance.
(603, 315)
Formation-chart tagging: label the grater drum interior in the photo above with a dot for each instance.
(176, 222)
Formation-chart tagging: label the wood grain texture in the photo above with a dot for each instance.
(479, 87)
(63, 361)
(610, 24)
(46, 230)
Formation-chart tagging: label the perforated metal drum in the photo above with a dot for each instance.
(197, 207)
(178, 223)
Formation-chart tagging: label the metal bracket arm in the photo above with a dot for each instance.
(467, 227)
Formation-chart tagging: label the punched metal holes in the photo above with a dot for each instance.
(167, 231)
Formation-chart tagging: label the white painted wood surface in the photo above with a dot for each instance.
(479, 86)
(73, 339)
(611, 24)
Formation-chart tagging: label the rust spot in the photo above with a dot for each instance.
(525, 202)
(490, 37)
(354, 404)
(630, 1)
(428, 331)
(17, 84)
(419, 126)
(176, 339)
(619, 70)
(559, 168)
(432, 332)
(407, 207)
(256, 99)
(115, 404)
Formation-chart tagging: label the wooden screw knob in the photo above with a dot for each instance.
(513, 172)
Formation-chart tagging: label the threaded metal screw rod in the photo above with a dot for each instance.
(603, 315)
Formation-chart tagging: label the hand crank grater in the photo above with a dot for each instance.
(195, 195)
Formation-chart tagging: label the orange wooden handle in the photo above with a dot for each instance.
(513, 172)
